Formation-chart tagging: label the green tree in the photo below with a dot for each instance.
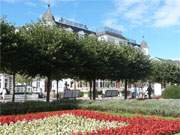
(164, 72)
(23, 79)
(54, 49)
(12, 50)
(136, 66)
(90, 64)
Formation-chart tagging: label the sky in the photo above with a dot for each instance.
(157, 20)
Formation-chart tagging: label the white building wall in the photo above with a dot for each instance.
(145, 51)
(115, 40)
(6, 81)
(40, 84)
(157, 89)
(61, 84)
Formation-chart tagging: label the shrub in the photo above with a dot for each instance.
(172, 92)
(81, 94)
(35, 106)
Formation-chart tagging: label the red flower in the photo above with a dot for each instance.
(136, 125)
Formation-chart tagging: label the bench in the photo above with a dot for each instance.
(111, 93)
(71, 94)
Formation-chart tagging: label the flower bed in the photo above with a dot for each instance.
(80, 122)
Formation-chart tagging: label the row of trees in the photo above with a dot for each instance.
(53, 53)
(165, 71)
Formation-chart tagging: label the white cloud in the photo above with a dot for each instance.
(168, 14)
(158, 13)
(123, 5)
(132, 11)
(113, 23)
(136, 14)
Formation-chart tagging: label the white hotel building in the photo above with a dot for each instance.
(108, 34)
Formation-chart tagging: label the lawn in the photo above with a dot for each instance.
(160, 107)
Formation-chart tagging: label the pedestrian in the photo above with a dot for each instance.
(135, 91)
(65, 86)
(149, 90)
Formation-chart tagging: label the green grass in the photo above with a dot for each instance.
(141, 115)
(163, 107)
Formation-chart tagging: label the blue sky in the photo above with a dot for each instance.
(157, 20)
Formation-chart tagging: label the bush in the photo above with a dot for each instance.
(35, 106)
(81, 94)
(172, 92)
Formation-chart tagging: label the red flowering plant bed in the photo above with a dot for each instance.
(84, 122)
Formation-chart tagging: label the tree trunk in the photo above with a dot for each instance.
(94, 89)
(48, 88)
(125, 90)
(90, 92)
(57, 96)
(164, 82)
(14, 82)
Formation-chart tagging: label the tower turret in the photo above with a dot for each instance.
(144, 47)
(47, 17)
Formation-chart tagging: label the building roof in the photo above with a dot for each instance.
(49, 19)
(111, 32)
(76, 27)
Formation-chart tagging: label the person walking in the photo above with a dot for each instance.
(135, 91)
(149, 90)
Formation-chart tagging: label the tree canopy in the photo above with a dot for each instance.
(54, 53)
(165, 72)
